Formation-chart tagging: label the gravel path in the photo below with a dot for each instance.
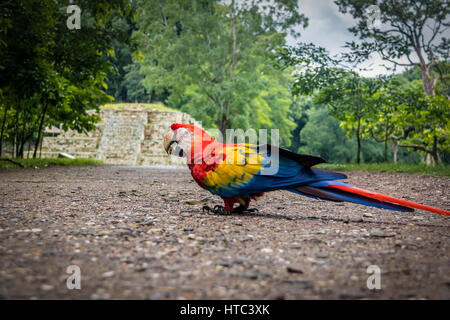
(139, 233)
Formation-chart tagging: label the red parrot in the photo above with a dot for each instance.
(244, 176)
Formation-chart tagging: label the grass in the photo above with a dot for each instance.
(437, 170)
(158, 106)
(48, 162)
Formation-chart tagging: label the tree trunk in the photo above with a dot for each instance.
(16, 151)
(23, 136)
(16, 135)
(19, 153)
(428, 88)
(358, 129)
(223, 124)
(434, 152)
(428, 85)
(429, 160)
(29, 147)
(395, 151)
(358, 139)
(22, 145)
(40, 148)
(24, 142)
(41, 125)
(3, 127)
(386, 140)
(17, 147)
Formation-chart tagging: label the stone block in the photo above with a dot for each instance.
(130, 134)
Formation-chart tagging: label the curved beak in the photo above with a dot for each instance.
(169, 141)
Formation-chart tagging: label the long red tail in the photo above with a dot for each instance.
(381, 197)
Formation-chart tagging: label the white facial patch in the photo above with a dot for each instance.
(181, 143)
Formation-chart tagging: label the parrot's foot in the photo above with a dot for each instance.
(220, 210)
(216, 210)
(243, 209)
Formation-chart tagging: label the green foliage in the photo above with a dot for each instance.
(270, 109)
(393, 110)
(298, 113)
(125, 80)
(412, 78)
(313, 67)
(442, 71)
(428, 120)
(323, 137)
(120, 61)
(52, 75)
(215, 59)
(346, 96)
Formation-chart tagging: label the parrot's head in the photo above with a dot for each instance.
(179, 139)
(178, 142)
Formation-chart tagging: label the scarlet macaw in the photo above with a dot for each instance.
(243, 179)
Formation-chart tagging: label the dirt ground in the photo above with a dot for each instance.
(139, 233)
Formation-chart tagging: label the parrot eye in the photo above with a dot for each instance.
(181, 153)
(170, 144)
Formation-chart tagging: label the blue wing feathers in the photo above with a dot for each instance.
(290, 174)
(295, 174)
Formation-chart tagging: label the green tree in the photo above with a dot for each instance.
(426, 122)
(323, 136)
(53, 75)
(122, 58)
(348, 100)
(26, 42)
(298, 114)
(382, 117)
(408, 116)
(366, 112)
(271, 107)
(411, 29)
(211, 56)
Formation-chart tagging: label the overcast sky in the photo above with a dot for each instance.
(328, 28)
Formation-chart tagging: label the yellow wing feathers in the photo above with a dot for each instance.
(241, 163)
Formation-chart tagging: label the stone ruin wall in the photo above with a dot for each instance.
(125, 136)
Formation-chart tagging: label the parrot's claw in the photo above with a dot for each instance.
(206, 209)
(242, 209)
(220, 210)
(216, 210)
